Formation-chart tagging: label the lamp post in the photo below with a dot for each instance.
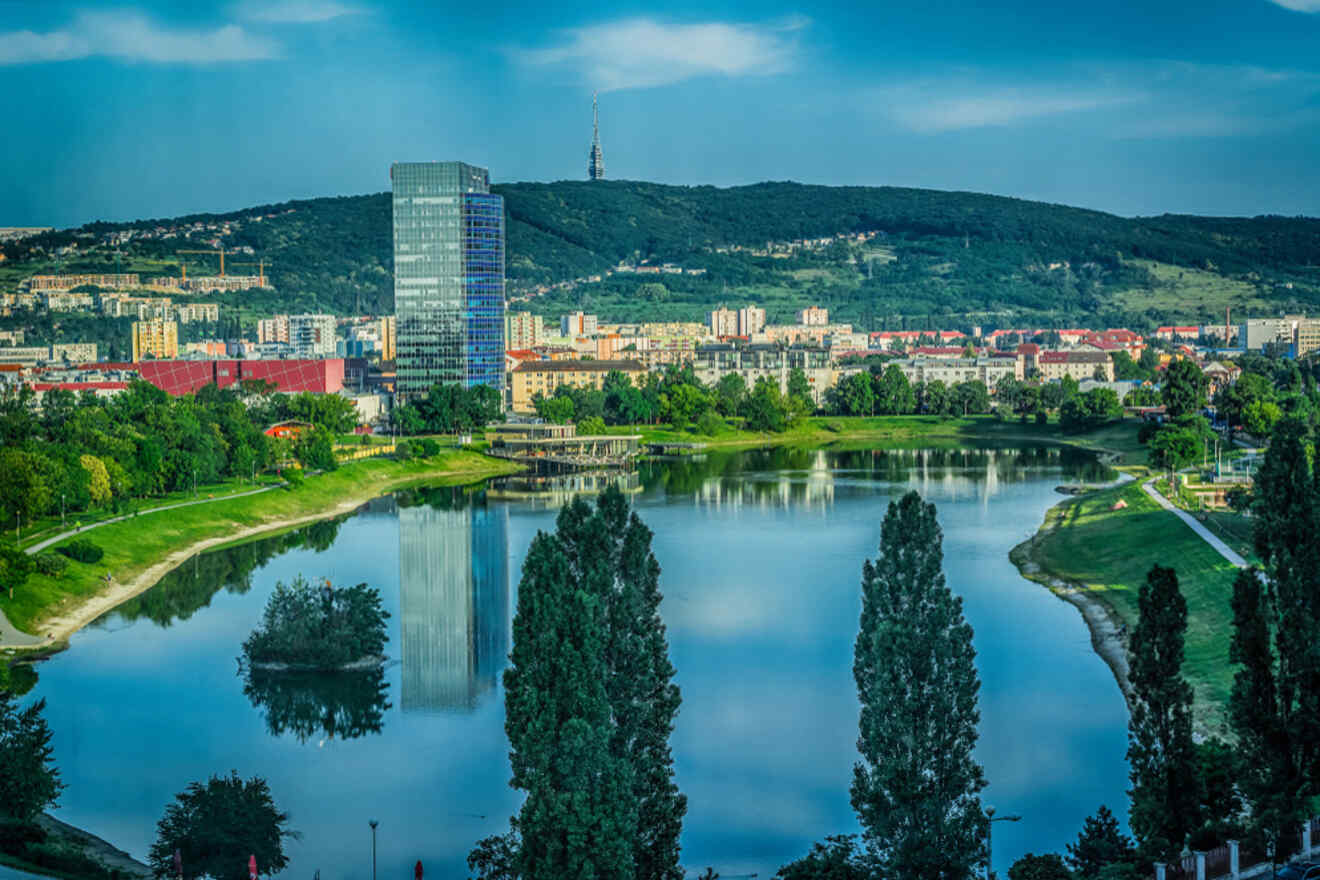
(991, 818)
(373, 823)
(61, 510)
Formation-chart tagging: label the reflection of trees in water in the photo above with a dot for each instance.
(799, 476)
(190, 587)
(442, 497)
(345, 704)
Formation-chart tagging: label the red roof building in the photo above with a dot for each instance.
(176, 378)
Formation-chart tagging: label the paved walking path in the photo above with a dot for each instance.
(12, 637)
(1224, 550)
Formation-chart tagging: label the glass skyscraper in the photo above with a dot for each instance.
(448, 277)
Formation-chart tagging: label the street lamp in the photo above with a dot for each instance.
(991, 818)
(61, 510)
(373, 823)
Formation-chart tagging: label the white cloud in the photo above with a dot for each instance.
(1299, 5)
(132, 36)
(295, 11)
(934, 115)
(643, 52)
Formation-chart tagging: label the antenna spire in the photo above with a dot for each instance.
(596, 158)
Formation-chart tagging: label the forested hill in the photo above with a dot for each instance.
(937, 255)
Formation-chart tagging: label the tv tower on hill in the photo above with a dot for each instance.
(596, 159)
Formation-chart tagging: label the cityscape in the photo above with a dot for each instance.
(382, 495)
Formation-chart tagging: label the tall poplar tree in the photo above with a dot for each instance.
(579, 816)
(916, 787)
(1162, 757)
(601, 560)
(1275, 705)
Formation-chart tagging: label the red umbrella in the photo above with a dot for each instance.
(252, 867)
(417, 870)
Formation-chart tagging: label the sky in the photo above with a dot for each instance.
(152, 108)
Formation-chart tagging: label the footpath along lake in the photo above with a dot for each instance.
(761, 554)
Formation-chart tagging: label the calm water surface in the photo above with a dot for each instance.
(762, 553)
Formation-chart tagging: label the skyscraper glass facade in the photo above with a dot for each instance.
(448, 277)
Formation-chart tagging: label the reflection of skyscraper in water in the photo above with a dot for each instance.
(453, 604)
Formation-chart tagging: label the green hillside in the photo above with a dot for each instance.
(939, 258)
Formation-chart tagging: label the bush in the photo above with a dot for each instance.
(403, 450)
(710, 423)
(82, 550)
(591, 425)
(425, 447)
(1042, 417)
(51, 564)
(294, 477)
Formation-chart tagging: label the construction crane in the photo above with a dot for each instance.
(261, 269)
(220, 251)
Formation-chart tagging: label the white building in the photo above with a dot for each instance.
(312, 335)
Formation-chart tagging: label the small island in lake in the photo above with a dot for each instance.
(318, 628)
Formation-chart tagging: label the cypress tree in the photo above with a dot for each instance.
(916, 787)
(601, 558)
(579, 816)
(1161, 755)
(1275, 705)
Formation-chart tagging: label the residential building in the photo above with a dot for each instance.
(62, 301)
(530, 378)
(813, 316)
(208, 312)
(760, 360)
(523, 329)
(388, 338)
(273, 329)
(24, 355)
(1187, 333)
(69, 282)
(11, 337)
(578, 324)
(312, 335)
(156, 339)
(74, 352)
(747, 321)
(1077, 364)
(448, 276)
(951, 371)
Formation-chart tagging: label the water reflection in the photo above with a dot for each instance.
(810, 479)
(550, 492)
(319, 705)
(190, 587)
(453, 598)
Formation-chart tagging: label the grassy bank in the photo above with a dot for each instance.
(136, 545)
(1106, 553)
(1119, 438)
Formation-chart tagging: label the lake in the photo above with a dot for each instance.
(762, 554)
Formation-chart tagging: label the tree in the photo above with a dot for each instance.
(936, 398)
(98, 485)
(1049, 866)
(1275, 702)
(29, 780)
(15, 566)
(730, 394)
(1161, 754)
(1183, 389)
(554, 409)
(915, 789)
(1174, 447)
(315, 451)
(590, 705)
(1100, 842)
(213, 825)
(686, 402)
(836, 859)
(970, 397)
(1260, 416)
(766, 408)
(893, 392)
(852, 396)
(799, 389)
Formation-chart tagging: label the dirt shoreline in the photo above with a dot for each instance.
(56, 630)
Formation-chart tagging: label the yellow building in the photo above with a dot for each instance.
(158, 339)
(530, 378)
(388, 337)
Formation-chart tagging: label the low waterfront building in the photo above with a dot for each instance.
(530, 378)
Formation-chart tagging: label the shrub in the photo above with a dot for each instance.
(82, 550)
(591, 425)
(710, 423)
(51, 564)
(294, 477)
(425, 447)
(1042, 417)
(403, 450)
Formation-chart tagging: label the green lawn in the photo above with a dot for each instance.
(135, 545)
(1109, 552)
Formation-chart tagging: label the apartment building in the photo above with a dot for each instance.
(312, 335)
(156, 339)
(273, 329)
(389, 339)
(813, 316)
(951, 371)
(63, 301)
(1077, 364)
(209, 312)
(74, 352)
(578, 324)
(523, 330)
(124, 281)
(747, 321)
(530, 378)
(759, 360)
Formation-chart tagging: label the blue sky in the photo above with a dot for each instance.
(152, 108)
